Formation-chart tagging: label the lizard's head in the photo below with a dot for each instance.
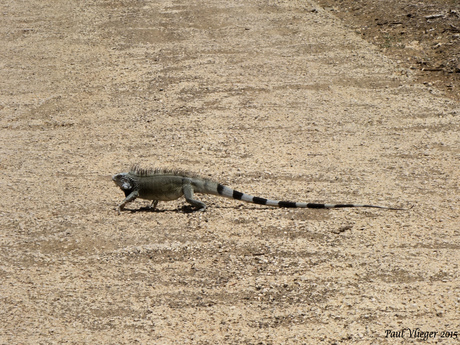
(123, 181)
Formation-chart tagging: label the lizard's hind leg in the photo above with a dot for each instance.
(154, 204)
(188, 193)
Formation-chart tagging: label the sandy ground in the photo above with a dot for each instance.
(274, 98)
(422, 36)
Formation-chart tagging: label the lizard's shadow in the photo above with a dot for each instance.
(191, 209)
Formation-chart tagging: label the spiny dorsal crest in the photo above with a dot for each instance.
(138, 171)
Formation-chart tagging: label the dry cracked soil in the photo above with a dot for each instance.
(286, 99)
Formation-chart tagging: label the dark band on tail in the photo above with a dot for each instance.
(260, 201)
(310, 205)
(347, 205)
(220, 188)
(237, 195)
(287, 204)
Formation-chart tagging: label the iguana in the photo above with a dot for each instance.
(166, 185)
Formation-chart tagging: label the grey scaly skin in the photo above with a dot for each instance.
(166, 185)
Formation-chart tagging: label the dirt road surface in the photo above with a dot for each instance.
(274, 98)
(422, 36)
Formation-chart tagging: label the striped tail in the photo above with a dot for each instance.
(234, 194)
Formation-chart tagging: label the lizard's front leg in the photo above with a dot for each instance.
(131, 197)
